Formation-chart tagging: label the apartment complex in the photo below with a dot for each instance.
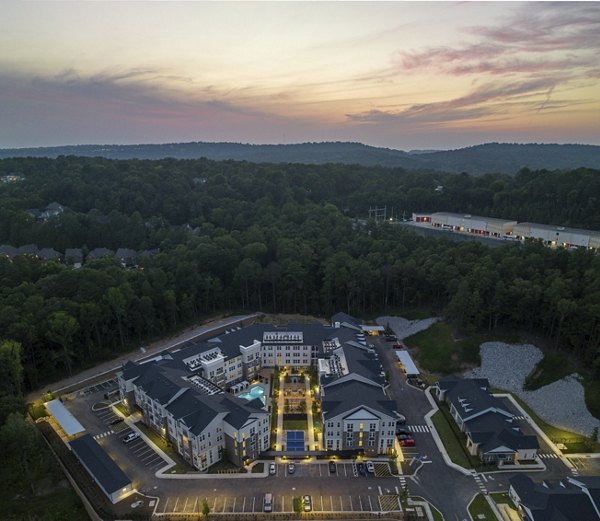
(186, 395)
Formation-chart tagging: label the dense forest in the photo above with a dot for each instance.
(507, 158)
(282, 238)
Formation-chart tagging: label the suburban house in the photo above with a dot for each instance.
(570, 499)
(491, 429)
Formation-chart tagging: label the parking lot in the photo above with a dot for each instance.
(321, 470)
(145, 454)
(114, 423)
(106, 386)
(375, 500)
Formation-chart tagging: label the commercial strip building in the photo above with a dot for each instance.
(570, 499)
(550, 235)
(492, 432)
(186, 395)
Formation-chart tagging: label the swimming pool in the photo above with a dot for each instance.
(256, 391)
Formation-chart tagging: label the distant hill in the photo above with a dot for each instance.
(480, 159)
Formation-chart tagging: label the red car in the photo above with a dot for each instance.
(407, 443)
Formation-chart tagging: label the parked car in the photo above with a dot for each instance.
(410, 442)
(332, 467)
(370, 467)
(390, 338)
(130, 437)
(115, 421)
(400, 430)
(272, 469)
(307, 503)
(268, 502)
(404, 437)
(361, 468)
(291, 468)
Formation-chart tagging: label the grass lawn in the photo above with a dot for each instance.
(454, 441)
(575, 442)
(438, 352)
(479, 506)
(181, 466)
(502, 497)
(551, 368)
(37, 411)
(295, 425)
(122, 409)
(437, 515)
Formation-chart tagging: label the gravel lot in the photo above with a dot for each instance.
(404, 328)
(561, 403)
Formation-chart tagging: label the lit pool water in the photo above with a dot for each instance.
(256, 391)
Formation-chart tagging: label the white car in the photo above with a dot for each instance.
(370, 467)
(130, 437)
(272, 469)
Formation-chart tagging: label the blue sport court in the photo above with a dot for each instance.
(295, 440)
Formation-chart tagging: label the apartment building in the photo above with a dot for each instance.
(203, 423)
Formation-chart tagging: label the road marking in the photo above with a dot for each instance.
(380, 492)
(244, 505)
(175, 507)
(234, 500)
(341, 504)
(396, 488)
(321, 503)
(359, 502)
(224, 503)
(165, 509)
(320, 471)
(254, 500)
(195, 505)
(185, 504)
(370, 504)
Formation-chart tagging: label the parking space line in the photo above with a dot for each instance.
(214, 504)
(253, 502)
(331, 502)
(370, 504)
(224, 503)
(234, 499)
(166, 504)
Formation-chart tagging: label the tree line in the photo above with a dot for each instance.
(278, 238)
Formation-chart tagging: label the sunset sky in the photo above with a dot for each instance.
(397, 74)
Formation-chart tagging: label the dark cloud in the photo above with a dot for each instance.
(490, 100)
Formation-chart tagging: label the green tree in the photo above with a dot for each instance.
(11, 368)
(205, 508)
(61, 328)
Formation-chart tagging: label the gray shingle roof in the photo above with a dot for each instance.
(108, 474)
(349, 395)
(554, 501)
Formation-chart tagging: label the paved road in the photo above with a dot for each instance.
(447, 489)
(105, 369)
